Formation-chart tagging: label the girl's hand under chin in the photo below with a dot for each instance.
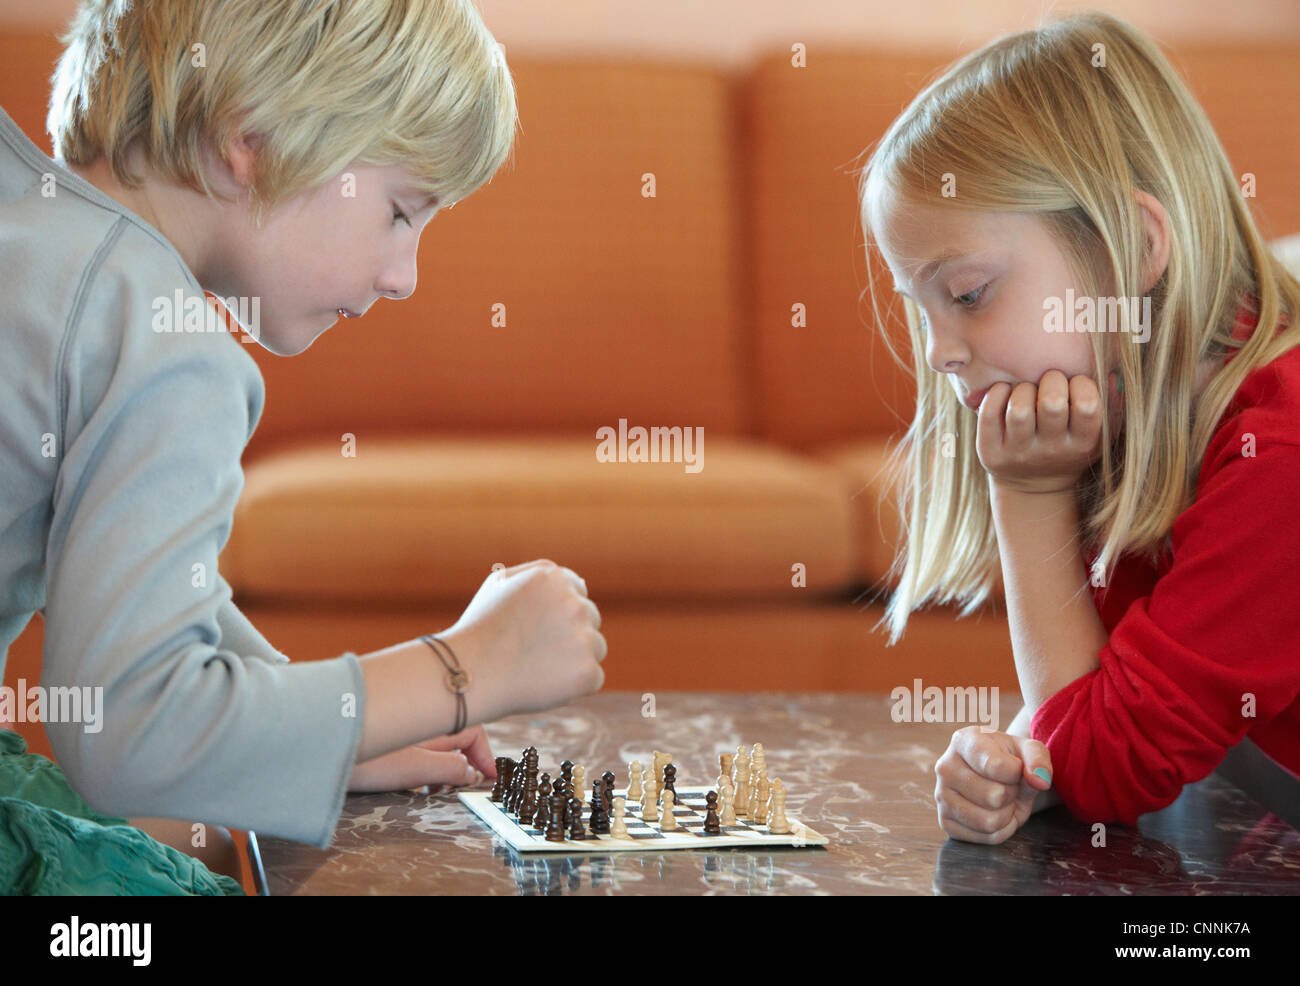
(1040, 439)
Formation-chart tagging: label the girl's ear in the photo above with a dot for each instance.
(1156, 222)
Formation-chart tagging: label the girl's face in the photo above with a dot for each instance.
(980, 280)
(343, 245)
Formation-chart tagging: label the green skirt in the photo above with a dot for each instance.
(52, 843)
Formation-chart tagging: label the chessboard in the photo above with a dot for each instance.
(643, 836)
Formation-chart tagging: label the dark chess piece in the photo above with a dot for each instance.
(566, 770)
(542, 816)
(607, 781)
(502, 783)
(711, 824)
(599, 816)
(528, 800)
(555, 821)
(670, 783)
(526, 778)
(576, 831)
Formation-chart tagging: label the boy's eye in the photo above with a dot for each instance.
(970, 298)
(400, 216)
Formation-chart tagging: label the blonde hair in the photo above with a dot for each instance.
(1067, 122)
(319, 83)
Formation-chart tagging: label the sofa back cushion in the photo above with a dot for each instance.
(617, 304)
(834, 378)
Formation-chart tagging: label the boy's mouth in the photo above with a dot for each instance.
(344, 313)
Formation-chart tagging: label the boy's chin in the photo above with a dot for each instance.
(298, 338)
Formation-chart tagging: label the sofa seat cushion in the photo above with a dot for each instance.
(424, 518)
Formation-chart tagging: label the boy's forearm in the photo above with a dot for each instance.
(1056, 634)
(407, 700)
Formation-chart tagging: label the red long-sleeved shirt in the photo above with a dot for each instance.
(1216, 621)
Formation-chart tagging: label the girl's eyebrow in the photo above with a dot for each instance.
(933, 268)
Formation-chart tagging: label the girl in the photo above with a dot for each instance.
(1056, 211)
(289, 151)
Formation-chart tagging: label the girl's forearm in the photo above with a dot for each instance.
(1020, 727)
(1056, 634)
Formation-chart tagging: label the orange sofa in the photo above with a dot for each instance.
(563, 298)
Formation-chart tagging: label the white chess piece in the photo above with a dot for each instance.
(649, 804)
(579, 771)
(617, 827)
(724, 762)
(669, 821)
(779, 825)
(727, 810)
(634, 781)
(741, 767)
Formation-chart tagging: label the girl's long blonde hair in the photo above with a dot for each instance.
(321, 84)
(1067, 121)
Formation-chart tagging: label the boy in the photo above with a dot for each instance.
(289, 152)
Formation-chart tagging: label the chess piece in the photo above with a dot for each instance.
(779, 825)
(728, 815)
(758, 795)
(503, 778)
(670, 780)
(528, 794)
(741, 766)
(617, 827)
(711, 824)
(649, 804)
(555, 822)
(668, 823)
(599, 816)
(576, 831)
(607, 787)
(579, 773)
(542, 813)
(724, 761)
(634, 781)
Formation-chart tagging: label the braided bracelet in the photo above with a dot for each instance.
(457, 680)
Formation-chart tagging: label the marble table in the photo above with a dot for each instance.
(850, 772)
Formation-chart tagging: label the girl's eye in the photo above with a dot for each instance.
(970, 298)
(399, 216)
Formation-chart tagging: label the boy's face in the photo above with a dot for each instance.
(341, 246)
(983, 308)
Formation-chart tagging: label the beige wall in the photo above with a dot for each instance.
(731, 31)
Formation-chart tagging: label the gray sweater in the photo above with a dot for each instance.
(119, 472)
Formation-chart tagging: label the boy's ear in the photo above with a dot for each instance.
(241, 156)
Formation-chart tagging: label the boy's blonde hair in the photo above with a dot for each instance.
(1066, 122)
(319, 83)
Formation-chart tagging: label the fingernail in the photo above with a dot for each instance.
(1044, 773)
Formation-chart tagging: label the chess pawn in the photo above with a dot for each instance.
(779, 825)
(576, 831)
(669, 821)
(649, 804)
(727, 801)
(634, 781)
(670, 780)
(578, 773)
(617, 827)
(712, 826)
